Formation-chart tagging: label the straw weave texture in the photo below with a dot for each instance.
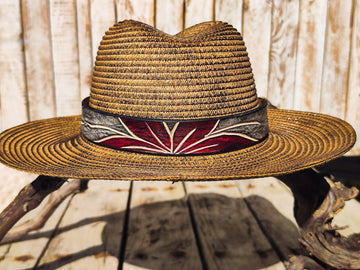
(297, 140)
(203, 72)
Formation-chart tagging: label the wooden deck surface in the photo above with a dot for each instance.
(245, 224)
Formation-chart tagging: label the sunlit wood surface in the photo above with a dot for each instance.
(244, 224)
(305, 54)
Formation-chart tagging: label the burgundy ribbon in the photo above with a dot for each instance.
(175, 137)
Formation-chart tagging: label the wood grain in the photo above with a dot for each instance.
(297, 49)
(84, 46)
(38, 57)
(65, 57)
(139, 10)
(197, 11)
(353, 98)
(12, 82)
(169, 16)
(12, 182)
(285, 21)
(257, 36)
(279, 196)
(29, 197)
(305, 56)
(160, 235)
(309, 63)
(229, 235)
(229, 11)
(336, 58)
(100, 21)
(94, 223)
(25, 254)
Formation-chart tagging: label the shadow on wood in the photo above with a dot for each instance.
(161, 236)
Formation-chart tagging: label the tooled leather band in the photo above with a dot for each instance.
(175, 137)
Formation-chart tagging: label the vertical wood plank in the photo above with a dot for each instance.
(229, 235)
(169, 16)
(353, 99)
(229, 11)
(336, 59)
(84, 46)
(100, 21)
(90, 232)
(309, 63)
(138, 10)
(257, 36)
(198, 11)
(284, 20)
(160, 235)
(65, 57)
(12, 82)
(38, 55)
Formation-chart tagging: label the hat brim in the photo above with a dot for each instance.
(55, 147)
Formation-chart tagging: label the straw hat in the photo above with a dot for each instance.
(180, 107)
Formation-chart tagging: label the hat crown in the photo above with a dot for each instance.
(202, 72)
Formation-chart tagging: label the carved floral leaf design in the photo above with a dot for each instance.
(174, 137)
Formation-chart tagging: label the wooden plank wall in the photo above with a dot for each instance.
(305, 54)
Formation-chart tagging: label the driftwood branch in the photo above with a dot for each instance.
(323, 240)
(28, 199)
(55, 199)
(316, 203)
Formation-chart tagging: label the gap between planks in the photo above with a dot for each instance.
(229, 235)
(207, 225)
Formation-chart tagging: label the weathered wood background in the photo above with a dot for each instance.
(305, 54)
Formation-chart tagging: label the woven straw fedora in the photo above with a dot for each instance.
(180, 107)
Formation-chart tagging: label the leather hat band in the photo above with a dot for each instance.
(175, 137)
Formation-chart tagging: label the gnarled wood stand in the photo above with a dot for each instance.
(28, 199)
(316, 203)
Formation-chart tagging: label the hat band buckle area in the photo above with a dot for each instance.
(175, 137)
